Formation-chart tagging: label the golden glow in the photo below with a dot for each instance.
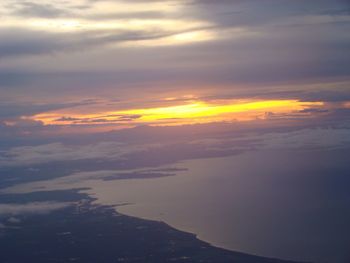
(176, 39)
(158, 23)
(201, 110)
(68, 25)
(114, 17)
(113, 7)
(190, 113)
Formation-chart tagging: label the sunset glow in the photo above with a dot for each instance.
(174, 131)
(191, 113)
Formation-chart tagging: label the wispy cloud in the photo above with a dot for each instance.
(54, 51)
(39, 27)
(31, 208)
(55, 152)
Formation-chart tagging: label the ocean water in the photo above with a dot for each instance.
(290, 204)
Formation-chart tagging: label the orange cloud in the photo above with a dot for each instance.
(192, 112)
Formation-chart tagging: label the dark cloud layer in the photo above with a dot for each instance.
(253, 48)
(32, 9)
(13, 110)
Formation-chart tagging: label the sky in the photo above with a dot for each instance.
(96, 65)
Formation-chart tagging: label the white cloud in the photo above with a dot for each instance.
(52, 152)
(308, 138)
(101, 18)
(31, 208)
(14, 220)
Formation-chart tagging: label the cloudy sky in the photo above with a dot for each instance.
(96, 91)
(112, 63)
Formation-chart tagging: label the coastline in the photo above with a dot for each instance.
(78, 227)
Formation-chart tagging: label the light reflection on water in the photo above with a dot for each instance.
(286, 204)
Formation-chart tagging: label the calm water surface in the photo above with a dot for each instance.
(289, 204)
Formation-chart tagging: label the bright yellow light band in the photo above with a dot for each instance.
(201, 109)
(194, 112)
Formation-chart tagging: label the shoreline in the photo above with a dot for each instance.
(97, 222)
